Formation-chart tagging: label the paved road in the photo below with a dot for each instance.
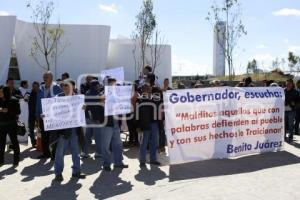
(268, 176)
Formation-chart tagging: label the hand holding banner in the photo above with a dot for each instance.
(63, 112)
(118, 100)
(117, 73)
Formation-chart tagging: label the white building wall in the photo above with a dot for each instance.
(7, 24)
(86, 48)
(121, 54)
(219, 53)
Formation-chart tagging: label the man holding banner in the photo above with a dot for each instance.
(110, 137)
(65, 114)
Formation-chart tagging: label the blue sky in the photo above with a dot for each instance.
(272, 26)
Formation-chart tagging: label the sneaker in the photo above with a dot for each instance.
(155, 163)
(121, 166)
(142, 164)
(108, 169)
(59, 178)
(79, 175)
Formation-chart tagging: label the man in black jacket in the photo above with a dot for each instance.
(9, 111)
(10, 83)
(149, 115)
(32, 111)
(94, 117)
(292, 99)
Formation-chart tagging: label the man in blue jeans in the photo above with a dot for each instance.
(149, 122)
(111, 139)
(89, 133)
(151, 137)
(94, 119)
(67, 138)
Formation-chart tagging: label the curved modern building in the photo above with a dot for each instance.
(124, 52)
(85, 49)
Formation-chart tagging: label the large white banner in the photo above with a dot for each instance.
(118, 100)
(117, 73)
(223, 122)
(63, 112)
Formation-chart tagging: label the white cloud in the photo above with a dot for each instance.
(4, 13)
(286, 41)
(186, 67)
(264, 60)
(287, 12)
(294, 49)
(112, 8)
(261, 46)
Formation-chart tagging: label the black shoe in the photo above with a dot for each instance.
(155, 163)
(128, 144)
(43, 157)
(108, 169)
(16, 161)
(1, 164)
(142, 164)
(10, 148)
(79, 175)
(121, 166)
(59, 178)
(33, 144)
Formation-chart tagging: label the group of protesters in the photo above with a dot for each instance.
(106, 130)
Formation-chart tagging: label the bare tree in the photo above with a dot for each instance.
(276, 64)
(144, 28)
(230, 12)
(157, 47)
(135, 53)
(47, 37)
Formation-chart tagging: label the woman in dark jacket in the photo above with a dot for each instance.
(9, 111)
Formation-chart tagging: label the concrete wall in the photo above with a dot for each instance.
(7, 24)
(86, 48)
(121, 54)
